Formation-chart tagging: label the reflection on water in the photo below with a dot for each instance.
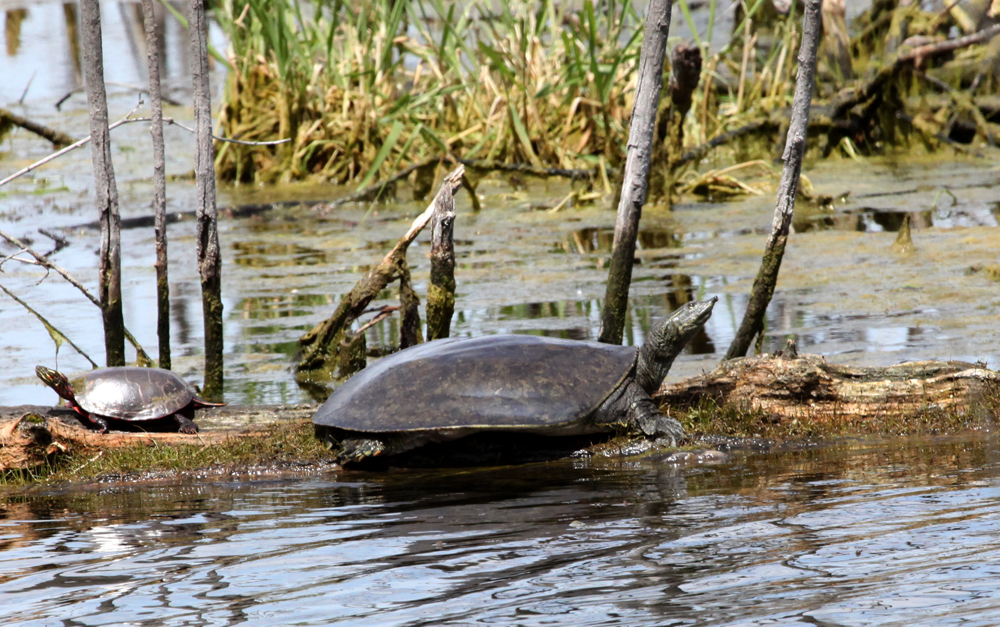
(897, 533)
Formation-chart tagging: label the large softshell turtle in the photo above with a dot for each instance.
(447, 389)
(127, 393)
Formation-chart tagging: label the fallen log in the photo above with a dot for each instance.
(778, 395)
(781, 395)
(32, 435)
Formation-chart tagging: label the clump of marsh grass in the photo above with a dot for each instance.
(363, 89)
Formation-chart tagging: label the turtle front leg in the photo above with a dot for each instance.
(633, 408)
(185, 425)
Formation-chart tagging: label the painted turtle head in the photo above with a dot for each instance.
(57, 381)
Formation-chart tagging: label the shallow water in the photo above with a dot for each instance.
(892, 533)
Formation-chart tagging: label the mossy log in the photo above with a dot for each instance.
(807, 387)
(32, 435)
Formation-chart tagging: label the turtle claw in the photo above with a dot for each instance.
(357, 449)
(185, 425)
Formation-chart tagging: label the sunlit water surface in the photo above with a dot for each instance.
(894, 533)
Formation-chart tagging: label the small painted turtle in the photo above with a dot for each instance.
(129, 394)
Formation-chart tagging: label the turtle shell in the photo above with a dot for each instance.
(519, 382)
(132, 393)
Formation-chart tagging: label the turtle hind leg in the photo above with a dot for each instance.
(356, 448)
(94, 422)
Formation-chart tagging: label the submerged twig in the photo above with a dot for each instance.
(58, 138)
(61, 242)
(136, 88)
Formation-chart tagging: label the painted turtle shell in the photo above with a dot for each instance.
(513, 382)
(130, 393)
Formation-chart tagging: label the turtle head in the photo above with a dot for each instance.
(667, 340)
(57, 381)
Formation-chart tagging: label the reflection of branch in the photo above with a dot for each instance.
(55, 333)
(128, 120)
(61, 242)
(141, 355)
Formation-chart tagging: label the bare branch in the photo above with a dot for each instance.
(141, 355)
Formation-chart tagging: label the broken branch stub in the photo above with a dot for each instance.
(321, 346)
(441, 291)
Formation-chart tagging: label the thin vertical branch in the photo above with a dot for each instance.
(209, 254)
(636, 176)
(159, 185)
(110, 281)
(795, 145)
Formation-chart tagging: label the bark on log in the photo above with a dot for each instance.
(636, 173)
(159, 185)
(809, 387)
(110, 280)
(321, 347)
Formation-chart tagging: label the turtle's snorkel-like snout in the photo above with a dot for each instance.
(694, 315)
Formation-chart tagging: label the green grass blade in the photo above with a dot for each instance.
(390, 142)
(686, 12)
(522, 134)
